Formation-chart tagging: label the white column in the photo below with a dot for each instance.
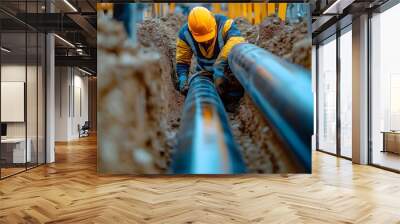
(360, 90)
(50, 92)
(50, 110)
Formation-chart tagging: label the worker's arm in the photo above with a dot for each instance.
(232, 36)
(183, 57)
(183, 60)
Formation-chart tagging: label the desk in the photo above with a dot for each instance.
(16, 147)
(391, 141)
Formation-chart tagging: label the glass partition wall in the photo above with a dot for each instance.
(22, 78)
(13, 109)
(334, 116)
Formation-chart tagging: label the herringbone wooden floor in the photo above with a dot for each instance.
(70, 191)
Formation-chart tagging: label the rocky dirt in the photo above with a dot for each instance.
(249, 31)
(289, 41)
(159, 34)
(262, 150)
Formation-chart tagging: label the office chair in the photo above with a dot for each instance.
(84, 130)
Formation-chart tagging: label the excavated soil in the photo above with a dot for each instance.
(159, 34)
(262, 150)
(249, 31)
(289, 41)
(131, 101)
(281, 39)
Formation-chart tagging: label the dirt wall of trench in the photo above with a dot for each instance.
(159, 34)
(131, 102)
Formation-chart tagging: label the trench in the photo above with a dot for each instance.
(155, 81)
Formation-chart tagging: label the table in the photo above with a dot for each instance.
(391, 141)
(16, 147)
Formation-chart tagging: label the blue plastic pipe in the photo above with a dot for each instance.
(205, 141)
(282, 92)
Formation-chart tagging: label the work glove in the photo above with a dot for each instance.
(182, 85)
(220, 81)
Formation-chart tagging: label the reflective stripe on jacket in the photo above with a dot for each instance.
(228, 35)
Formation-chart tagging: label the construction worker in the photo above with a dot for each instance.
(210, 38)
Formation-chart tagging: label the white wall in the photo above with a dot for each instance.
(79, 117)
(61, 103)
(14, 73)
(71, 87)
(17, 73)
(33, 127)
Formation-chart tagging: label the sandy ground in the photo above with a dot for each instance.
(261, 148)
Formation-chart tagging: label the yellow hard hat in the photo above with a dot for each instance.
(202, 24)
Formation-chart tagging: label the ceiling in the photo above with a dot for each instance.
(332, 15)
(72, 20)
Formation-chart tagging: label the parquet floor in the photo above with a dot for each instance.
(70, 191)
(10, 171)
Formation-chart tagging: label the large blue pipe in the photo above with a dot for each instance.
(282, 91)
(205, 141)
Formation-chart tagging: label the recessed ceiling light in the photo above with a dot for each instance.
(84, 71)
(70, 5)
(65, 41)
(5, 50)
(337, 7)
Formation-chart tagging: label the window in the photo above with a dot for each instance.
(385, 89)
(327, 96)
(346, 92)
